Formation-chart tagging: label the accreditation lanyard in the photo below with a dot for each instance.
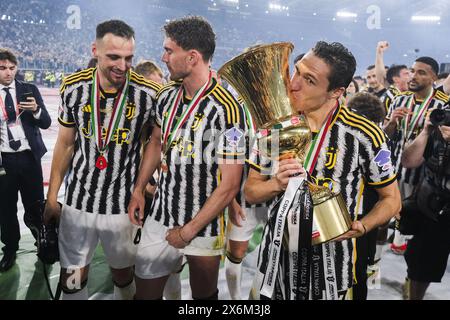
(418, 113)
(5, 114)
(170, 134)
(119, 103)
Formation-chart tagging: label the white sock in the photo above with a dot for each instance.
(172, 290)
(125, 293)
(399, 239)
(256, 286)
(378, 252)
(79, 295)
(233, 274)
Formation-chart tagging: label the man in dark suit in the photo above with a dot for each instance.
(22, 114)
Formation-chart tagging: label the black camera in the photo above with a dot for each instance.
(440, 117)
(46, 235)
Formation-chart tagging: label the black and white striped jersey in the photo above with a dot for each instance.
(398, 140)
(388, 96)
(250, 136)
(105, 191)
(215, 130)
(354, 152)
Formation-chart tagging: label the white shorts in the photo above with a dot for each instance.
(80, 232)
(156, 258)
(254, 217)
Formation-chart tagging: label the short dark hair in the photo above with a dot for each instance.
(341, 61)
(368, 105)
(355, 84)
(372, 66)
(6, 54)
(116, 27)
(431, 62)
(394, 71)
(193, 32)
(92, 63)
(298, 58)
(443, 75)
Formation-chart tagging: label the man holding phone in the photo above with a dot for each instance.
(22, 115)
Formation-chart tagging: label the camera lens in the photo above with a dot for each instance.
(437, 117)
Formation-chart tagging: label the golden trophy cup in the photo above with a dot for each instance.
(261, 77)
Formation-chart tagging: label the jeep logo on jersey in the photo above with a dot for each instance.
(121, 136)
(383, 159)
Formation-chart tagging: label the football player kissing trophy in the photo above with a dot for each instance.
(306, 214)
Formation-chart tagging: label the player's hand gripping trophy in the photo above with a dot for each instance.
(260, 75)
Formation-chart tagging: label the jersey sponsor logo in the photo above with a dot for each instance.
(383, 159)
(121, 136)
(186, 148)
(325, 182)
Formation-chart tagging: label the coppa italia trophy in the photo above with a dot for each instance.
(306, 214)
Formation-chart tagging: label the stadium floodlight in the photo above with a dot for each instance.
(232, 2)
(426, 18)
(346, 14)
(277, 7)
(274, 6)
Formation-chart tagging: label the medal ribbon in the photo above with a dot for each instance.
(316, 145)
(418, 113)
(119, 104)
(169, 135)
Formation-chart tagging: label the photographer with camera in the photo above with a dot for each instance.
(427, 253)
(405, 120)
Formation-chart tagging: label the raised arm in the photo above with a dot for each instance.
(380, 71)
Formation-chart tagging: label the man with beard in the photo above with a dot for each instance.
(406, 119)
(199, 142)
(374, 86)
(103, 111)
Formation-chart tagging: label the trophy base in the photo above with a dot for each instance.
(331, 220)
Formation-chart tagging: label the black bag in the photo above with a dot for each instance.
(410, 216)
(429, 201)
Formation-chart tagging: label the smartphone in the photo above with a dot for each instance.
(26, 96)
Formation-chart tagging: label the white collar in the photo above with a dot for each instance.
(11, 86)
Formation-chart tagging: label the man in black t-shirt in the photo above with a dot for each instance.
(427, 253)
